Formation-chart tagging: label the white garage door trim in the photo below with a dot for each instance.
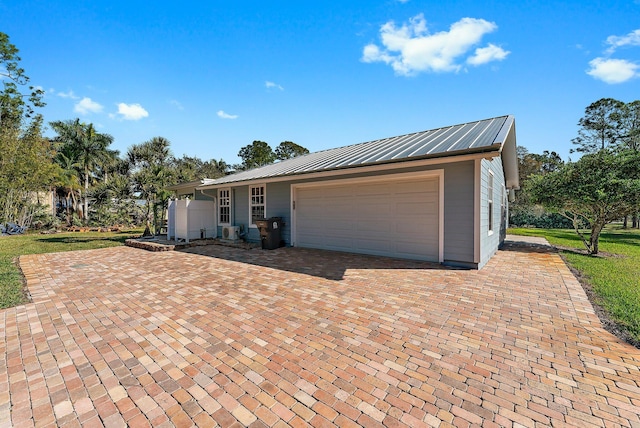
(427, 175)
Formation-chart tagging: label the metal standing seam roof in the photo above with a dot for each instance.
(473, 137)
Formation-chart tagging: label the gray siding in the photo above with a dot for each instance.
(278, 197)
(458, 213)
(489, 242)
(240, 212)
(199, 196)
(278, 205)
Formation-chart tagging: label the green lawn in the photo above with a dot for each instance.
(11, 247)
(614, 275)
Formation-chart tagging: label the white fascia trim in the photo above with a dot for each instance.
(477, 181)
(502, 136)
(441, 215)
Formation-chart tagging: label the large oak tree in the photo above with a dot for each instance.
(597, 189)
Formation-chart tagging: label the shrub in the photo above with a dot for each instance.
(540, 220)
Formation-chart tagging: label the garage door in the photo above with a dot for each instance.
(397, 218)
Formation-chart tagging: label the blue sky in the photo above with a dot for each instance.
(213, 76)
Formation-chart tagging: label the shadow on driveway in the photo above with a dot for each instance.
(330, 265)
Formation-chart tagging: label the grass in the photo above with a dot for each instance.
(613, 276)
(11, 247)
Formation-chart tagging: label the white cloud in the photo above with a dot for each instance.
(86, 106)
(411, 48)
(487, 54)
(613, 71)
(132, 111)
(615, 42)
(223, 115)
(270, 85)
(68, 94)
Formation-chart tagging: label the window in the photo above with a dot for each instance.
(224, 206)
(257, 202)
(490, 201)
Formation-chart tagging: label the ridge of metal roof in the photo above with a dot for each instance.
(466, 138)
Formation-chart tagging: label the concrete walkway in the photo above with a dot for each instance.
(291, 337)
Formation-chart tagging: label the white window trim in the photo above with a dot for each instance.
(220, 222)
(251, 224)
(490, 202)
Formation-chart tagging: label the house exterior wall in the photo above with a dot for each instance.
(199, 196)
(490, 240)
(467, 239)
(458, 207)
(278, 197)
(240, 212)
(459, 214)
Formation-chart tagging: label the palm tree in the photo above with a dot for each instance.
(108, 165)
(89, 146)
(152, 172)
(69, 183)
(222, 168)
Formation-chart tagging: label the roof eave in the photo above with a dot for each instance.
(485, 151)
(185, 185)
(507, 140)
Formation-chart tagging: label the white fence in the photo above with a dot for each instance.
(191, 219)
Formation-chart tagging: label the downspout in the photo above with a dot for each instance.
(211, 196)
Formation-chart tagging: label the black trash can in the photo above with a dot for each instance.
(270, 235)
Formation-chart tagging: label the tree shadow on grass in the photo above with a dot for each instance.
(583, 252)
(621, 238)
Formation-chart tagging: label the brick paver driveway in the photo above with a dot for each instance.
(220, 336)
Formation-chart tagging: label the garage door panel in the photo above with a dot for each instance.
(415, 251)
(338, 192)
(413, 209)
(339, 230)
(407, 230)
(374, 226)
(376, 209)
(373, 243)
(392, 218)
(374, 190)
(410, 186)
